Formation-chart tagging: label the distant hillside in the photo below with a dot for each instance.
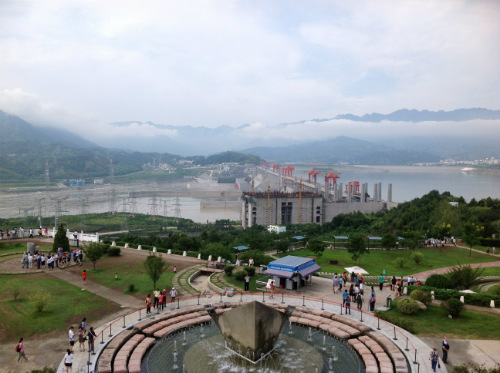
(342, 149)
(404, 115)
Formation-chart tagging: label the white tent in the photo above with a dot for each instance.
(357, 270)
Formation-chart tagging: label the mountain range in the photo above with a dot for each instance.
(24, 148)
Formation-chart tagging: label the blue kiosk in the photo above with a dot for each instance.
(292, 272)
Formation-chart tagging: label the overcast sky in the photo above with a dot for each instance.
(79, 64)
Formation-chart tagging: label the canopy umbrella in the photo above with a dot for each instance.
(357, 270)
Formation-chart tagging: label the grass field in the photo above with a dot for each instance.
(68, 305)
(14, 247)
(377, 260)
(433, 322)
(128, 273)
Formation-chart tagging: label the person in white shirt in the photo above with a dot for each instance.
(68, 360)
(71, 336)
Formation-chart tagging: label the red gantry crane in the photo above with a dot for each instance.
(276, 167)
(331, 180)
(312, 175)
(354, 187)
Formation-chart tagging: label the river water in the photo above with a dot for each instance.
(408, 182)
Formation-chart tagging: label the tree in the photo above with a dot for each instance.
(470, 235)
(155, 266)
(389, 241)
(39, 299)
(411, 240)
(357, 247)
(316, 246)
(94, 252)
(60, 239)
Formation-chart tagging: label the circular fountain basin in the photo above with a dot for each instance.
(298, 349)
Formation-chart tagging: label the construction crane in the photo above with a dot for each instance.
(312, 175)
(331, 180)
(288, 170)
(276, 167)
(352, 185)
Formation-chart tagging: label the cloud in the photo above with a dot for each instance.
(217, 63)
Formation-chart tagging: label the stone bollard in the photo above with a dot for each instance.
(154, 249)
(219, 259)
(139, 247)
(127, 246)
(432, 295)
(492, 304)
(462, 299)
(113, 244)
(405, 290)
(184, 253)
(169, 252)
(199, 256)
(210, 258)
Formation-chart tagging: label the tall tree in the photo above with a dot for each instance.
(389, 241)
(316, 246)
(94, 252)
(60, 239)
(155, 266)
(470, 235)
(357, 246)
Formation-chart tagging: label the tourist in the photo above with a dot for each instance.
(148, 303)
(161, 301)
(271, 286)
(381, 281)
(80, 256)
(84, 277)
(71, 336)
(433, 357)
(344, 295)
(247, 282)
(359, 301)
(251, 261)
(340, 283)
(335, 284)
(393, 283)
(156, 294)
(43, 261)
(348, 303)
(173, 294)
(175, 269)
(31, 233)
(30, 261)
(446, 348)
(84, 324)
(68, 360)
(373, 299)
(24, 260)
(91, 336)
(81, 338)
(20, 350)
(351, 290)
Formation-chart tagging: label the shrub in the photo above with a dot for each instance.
(400, 262)
(438, 281)
(250, 270)
(417, 257)
(131, 288)
(39, 299)
(476, 299)
(229, 269)
(15, 288)
(464, 276)
(114, 251)
(453, 307)
(44, 370)
(240, 275)
(421, 296)
(333, 261)
(408, 306)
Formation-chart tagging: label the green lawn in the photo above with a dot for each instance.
(14, 247)
(433, 322)
(491, 271)
(128, 273)
(377, 260)
(69, 304)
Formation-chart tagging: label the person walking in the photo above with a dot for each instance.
(359, 301)
(373, 299)
(68, 360)
(335, 284)
(71, 336)
(91, 337)
(381, 281)
(348, 304)
(148, 303)
(173, 294)
(81, 338)
(271, 285)
(433, 357)
(247, 282)
(446, 348)
(20, 351)
(84, 277)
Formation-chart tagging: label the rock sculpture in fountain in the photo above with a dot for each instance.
(251, 330)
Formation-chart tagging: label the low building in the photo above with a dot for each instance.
(276, 228)
(292, 272)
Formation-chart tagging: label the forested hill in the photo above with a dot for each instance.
(25, 150)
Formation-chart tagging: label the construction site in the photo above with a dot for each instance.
(276, 197)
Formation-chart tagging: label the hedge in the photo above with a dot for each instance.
(476, 299)
(489, 242)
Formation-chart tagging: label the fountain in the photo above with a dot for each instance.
(251, 340)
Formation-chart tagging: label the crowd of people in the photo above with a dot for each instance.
(159, 299)
(23, 233)
(40, 260)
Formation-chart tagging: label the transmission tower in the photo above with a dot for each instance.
(39, 203)
(56, 204)
(47, 175)
(112, 191)
(124, 204)
(177, 207)
(83, 205)
(153, 206)
(25, 215)
(133, 203)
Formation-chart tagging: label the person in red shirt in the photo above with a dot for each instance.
(84, 277)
